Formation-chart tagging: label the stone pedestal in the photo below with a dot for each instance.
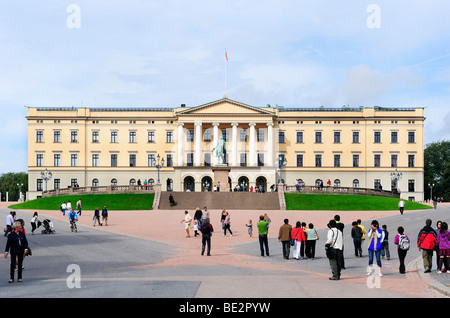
(221, 177)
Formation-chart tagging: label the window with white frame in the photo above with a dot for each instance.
(95, 159)
(39, 160)
(74, 160)
(73, 136)
(57, 160)
(39, 136)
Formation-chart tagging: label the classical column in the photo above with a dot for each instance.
(180, 144)
(270, 144)
(252, 147)
(198, 143)
(215, 140)
(234, 144)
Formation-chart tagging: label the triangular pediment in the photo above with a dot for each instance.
(224, 106)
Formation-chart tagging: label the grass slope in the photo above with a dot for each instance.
(122, 201)
(298, 201)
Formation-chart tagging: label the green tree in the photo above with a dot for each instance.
(8, 183)
(446, 183)
(436, 157)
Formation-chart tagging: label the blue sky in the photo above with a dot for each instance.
(164, 53)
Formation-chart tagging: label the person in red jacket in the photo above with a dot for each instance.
(426, 241)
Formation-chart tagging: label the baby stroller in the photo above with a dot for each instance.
(48, 227)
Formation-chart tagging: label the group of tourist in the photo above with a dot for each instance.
(429, 240)
(302, 238)
(73, 215)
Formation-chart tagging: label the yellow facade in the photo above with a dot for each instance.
(104, 146)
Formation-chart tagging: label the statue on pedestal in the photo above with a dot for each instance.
(220, 151)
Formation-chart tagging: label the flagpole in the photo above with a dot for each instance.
(226, 66)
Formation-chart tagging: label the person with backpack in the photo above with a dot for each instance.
(207, 230)
(402, 241)
(426, 242)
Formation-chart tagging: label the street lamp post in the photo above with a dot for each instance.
(281, 164)
(46, 175)
(431, 185)
(158, 165)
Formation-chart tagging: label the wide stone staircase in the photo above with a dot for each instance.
(220, 200)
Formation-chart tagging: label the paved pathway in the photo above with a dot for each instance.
(235, 268)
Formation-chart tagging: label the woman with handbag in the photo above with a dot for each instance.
(297, 236)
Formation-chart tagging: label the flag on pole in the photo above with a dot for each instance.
(226, 55)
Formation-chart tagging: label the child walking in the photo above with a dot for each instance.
(250, 228)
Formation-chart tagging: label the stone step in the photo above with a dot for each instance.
(220, 200)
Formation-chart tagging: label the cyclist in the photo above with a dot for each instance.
(73, 218)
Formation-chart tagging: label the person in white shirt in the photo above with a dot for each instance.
(334, 240)
(63, 208)
(401, 206)
(187, 223)
(10, 219)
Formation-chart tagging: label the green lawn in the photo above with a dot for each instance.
(298, 201)
(126, 201)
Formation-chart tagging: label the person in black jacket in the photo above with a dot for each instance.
(17, 246)
(340, 226)
(207, 230)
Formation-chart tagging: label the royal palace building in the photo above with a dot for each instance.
(361, 147)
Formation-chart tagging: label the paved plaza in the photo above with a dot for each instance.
(146, 254)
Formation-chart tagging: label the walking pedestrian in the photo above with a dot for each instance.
(401, 206)
(205, 214)
(34, 222)
(187, 223)
(227, 224)
(298, 235)
(198, 216)
(223, 216)
(207, 230)
(196, 228)
(284, 236)
(105, 215)
(263, 227)
(79, 206)
(63, 208)
(402, 241)
(96, 217)
(385, 244)
(363, 237)
(250, 228)
(10, 219)
(375, 238)
(334, 246)
(303, 242)
(443, 237)
(340, 226)
(312, 237)
(17, 247)
(438, 228)
(357, 234)
(426, 241)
